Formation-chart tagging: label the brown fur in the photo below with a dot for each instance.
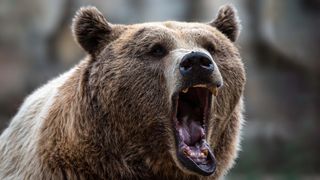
(227, 22)
(111, 118)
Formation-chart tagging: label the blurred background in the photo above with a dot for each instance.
(279, 43)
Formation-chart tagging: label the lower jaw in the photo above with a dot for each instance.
(198, 159)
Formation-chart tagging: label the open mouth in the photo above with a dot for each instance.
(191, 113)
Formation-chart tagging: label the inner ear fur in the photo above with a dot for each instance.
(227, 22)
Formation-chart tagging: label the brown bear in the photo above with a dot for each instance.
(156, 100)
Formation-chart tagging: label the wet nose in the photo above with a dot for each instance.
(196, 64)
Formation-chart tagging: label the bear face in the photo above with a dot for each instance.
(164, 88)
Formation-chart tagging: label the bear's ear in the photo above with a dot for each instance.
(227, 22)
(91, 30)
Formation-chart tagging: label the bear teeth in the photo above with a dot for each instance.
(185, 90)
(214, 91)
(200, 85)
(204, 152)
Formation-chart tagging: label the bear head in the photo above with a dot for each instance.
(159, 88)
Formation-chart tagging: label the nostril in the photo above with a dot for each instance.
(185, 67)
(205, 61)
(186, 64)
(210, 68)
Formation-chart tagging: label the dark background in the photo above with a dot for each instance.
(279, 43)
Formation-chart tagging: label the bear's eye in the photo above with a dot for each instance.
(210, 48)
(158, 50)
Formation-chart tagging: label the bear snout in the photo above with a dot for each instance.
(197, 67)
(195, 64)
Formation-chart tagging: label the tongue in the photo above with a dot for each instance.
(189, 130)
(188, 125)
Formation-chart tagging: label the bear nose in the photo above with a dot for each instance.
(196, 63)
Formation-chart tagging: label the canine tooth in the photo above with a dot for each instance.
(186, 152)
(202, 155)
(214, 91)
(185, 90)
(205, 152)
(200, 85)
